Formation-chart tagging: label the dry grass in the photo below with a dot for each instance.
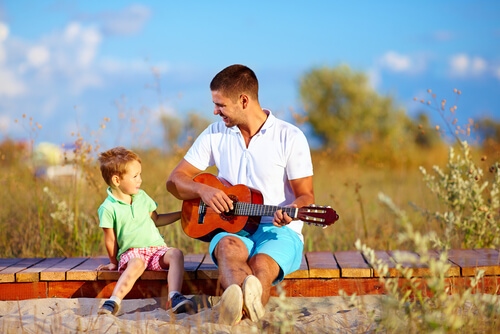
(62, 220)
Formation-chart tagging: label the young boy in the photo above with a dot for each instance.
(129, 220)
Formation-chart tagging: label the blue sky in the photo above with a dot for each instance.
(70, 64)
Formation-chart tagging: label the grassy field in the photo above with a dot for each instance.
(42, 217)
(47, 218)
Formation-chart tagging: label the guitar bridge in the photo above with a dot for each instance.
(202, 210)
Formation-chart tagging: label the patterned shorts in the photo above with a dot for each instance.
(150, 255)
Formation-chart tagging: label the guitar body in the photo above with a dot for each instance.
(211, 223)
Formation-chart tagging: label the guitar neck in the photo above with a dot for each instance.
(250, 209)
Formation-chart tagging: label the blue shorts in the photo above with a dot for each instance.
(282, 244)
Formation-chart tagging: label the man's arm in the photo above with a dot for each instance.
(180, 183)
(304, 195)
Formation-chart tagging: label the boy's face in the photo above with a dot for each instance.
(130, 183)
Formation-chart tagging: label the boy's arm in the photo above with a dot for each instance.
(112, 248)
(165, 218)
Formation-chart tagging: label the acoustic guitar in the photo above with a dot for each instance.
(199, 221)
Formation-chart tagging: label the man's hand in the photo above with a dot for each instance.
(216, 199)
(109, 266)
(282, 218)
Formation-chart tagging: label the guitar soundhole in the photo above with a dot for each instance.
(227, 216)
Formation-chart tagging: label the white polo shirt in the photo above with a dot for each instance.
(277, 153)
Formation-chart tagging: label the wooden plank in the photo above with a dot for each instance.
(322, 265)
(352, 264)
(4, 262)
(302, 272)
(387, 260)
(454, 270)
(418, 269)
(320, 287)
(58, 271)
(9, 273)
(21, 291)
(472, 260)
(32, 274)
(108, 275)
(191, 264)
(86, 271)
(207, 269)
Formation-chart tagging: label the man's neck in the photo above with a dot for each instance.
(254, 125)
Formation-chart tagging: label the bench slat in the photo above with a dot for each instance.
(454, 269)
(418, 269)
(472, 260)
(322, 265)
(86, 271)
(9, 273)
(58, 271)
(302, 272)
(207, 269)
(387, 259)
(352, 264)
(32, 274)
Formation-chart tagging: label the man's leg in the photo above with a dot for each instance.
(232, 256)
(266, 270)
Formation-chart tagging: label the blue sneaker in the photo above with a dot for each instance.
(109, 307)
(180, 304)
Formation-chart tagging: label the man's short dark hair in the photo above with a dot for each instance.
(235, 80)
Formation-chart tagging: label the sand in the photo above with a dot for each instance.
(290, 314)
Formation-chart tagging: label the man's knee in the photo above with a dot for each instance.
(230, 246)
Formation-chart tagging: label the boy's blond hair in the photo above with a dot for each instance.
(115, 161)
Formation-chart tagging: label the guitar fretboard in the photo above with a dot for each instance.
(250, 209)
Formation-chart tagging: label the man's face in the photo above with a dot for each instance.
(231, 112)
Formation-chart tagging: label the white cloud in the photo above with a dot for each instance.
(5, 122)
(4, 32)
(38, 56)
(401, 63)
(10, 84)
(463, 65)
(496, 72)
(396, 62)
(128, 21)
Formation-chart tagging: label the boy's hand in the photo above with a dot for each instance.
(109, 266)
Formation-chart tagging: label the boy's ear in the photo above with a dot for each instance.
(115, 180)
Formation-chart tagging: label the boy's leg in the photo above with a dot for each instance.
(173, 260)
(134, 270)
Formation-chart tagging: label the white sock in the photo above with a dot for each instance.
(117, 300)
(171, 294)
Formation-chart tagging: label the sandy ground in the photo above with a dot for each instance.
(285, 315)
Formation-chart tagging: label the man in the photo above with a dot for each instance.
(249, 146)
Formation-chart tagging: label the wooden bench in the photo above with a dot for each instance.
(321, 274)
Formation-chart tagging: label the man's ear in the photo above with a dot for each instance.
(244, 100)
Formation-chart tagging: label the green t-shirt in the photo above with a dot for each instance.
(132, 223)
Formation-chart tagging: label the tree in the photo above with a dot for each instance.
(346, 113)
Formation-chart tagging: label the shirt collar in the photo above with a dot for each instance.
(267, 124)
(114, 199)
